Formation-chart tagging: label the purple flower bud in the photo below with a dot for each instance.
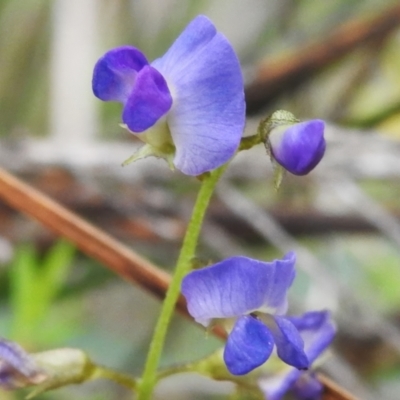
(298, 147)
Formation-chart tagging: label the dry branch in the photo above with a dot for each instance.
(275, 77)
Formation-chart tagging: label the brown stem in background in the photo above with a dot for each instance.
(333, 391)
(89, 239)
(276, 76)
(105, 249)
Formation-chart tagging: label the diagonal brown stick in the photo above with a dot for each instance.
(105, 249)
(89, 239)
(277, 76)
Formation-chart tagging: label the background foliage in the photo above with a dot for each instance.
(343, 219)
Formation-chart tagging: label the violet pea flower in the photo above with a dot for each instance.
(298, 147)
(187, 106)
(255, 293)
(317, 330)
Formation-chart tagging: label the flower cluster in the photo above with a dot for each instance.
(188, 107)
(254, 293)
(188, 104)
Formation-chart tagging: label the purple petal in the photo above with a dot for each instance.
(317, 330)
(308, 387)
(275, 387)
(17, 367)
(248, 346)
(208, 116)
(149, 100)
(237, 286)
(303, 384)
(195, 37)
(300, 147)
(289, 344)
(283, 276)
(114, 74)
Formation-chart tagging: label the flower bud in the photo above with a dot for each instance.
(297, 147)
(45, 370)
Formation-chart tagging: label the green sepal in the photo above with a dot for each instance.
(279, 173)
(146, 151)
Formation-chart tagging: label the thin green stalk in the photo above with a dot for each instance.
(118, 377)
(186, 255)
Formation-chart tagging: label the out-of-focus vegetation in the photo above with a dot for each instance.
(53, 296)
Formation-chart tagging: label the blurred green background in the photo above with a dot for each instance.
(343, 219)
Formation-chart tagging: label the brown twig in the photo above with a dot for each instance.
(277, 76)
(102, 247)
(333, 391)
(91, 240)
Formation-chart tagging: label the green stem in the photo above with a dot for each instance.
(178, 369)
(182, 267)
(248, 142)
(118, 377)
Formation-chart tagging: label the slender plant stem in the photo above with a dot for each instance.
(118, 377)
(182, 267)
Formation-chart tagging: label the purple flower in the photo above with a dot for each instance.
(188, 104)
(255, 293)
(17, 367)
(317, 330)
(299, 147)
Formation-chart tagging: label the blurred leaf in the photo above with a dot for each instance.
(52, 274)
(34, 287)
(383, 274)
(22, 281)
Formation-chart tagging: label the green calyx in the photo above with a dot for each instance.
(159, 144)
(278, 118)
(266, 125)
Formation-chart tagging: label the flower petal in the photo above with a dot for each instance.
(283, 275)
(274, 387)
(308, 387)
(149, 100)
(114, 74)
(197, 34)
(303, 384)
(317, 330)
(208, 116)
(299, 147)
(248, 346)
(17, 367)
(289, 344)
(237, 286)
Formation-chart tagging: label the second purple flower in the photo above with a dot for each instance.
(255, 293)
